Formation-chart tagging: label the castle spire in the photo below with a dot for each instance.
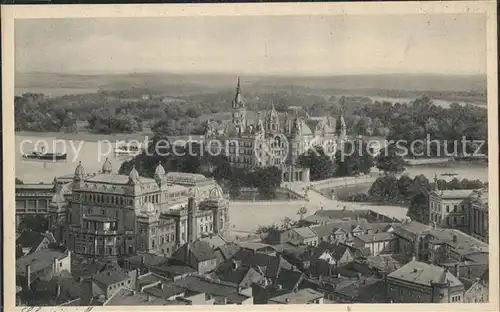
(238, 101)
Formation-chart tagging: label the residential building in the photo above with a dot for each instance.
(257, 247)
(379, 243)
(305, 236)
(478, 215)
(466, 210)
(221, 292)
(198, 255)
(243, 276)
(352, 290)
(419, 282)
(43, 265)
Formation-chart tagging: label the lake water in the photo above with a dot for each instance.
(438, 102)
(54, 92)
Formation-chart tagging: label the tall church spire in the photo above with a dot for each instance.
(238, 101)
(239, 113)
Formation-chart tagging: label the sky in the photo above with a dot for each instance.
(311, 45)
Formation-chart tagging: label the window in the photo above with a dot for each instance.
(60, 264)
(447, 208)
(102, 211)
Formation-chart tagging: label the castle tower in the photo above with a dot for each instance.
(272, 121)
(78, 176)
(239, 111)
(341, 131)
(107, 167)
(160, 174)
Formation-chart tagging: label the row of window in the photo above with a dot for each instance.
(115, 286)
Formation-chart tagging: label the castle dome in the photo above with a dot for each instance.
(159, 171)
(216, 192)
(272, 115)
(133, 175)
(79, 170)
(107, 167)
(194, 192)
(148, 208)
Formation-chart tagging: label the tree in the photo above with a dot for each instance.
(320, 165)
(390, 161)
(385, 189)
(286, 223)
(302, 211)
(419, 208)
(36, 223)
(267, 180)
(353, 158)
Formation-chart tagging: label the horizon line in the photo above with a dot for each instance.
(243, 74)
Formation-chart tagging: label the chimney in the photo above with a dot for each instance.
(28, 276)
(338, 275)
(455, 238)
(457, 270)
(187, 252)
(358, 276)
(413, 258)
(142, 260)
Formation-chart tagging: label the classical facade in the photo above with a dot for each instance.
(466, 210)
(112, 215)
(273, 139)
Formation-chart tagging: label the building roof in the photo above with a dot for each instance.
(455, 194)
(424, 274)
(164, 291)
(200, 250)
(289, 278)
(38, 260)
(305, 232)
(229, 273)
(184, 177)
(410, 230)
(126, 297)
(35, 186)
(346, 226)
(214, 241)
(377, 237)
(342, 214)
(384, 263)
(269, 265)
(302, 296)
(316, 219)
(253, 245)
(113, 178)
(227, 251)
(110, 277)
(172, 269)
(205, 285)
(462, 243)
(146, 259)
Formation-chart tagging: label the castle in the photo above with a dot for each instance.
(112, 215)
(274, 140)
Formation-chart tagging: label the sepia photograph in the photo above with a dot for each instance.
(324, 154)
